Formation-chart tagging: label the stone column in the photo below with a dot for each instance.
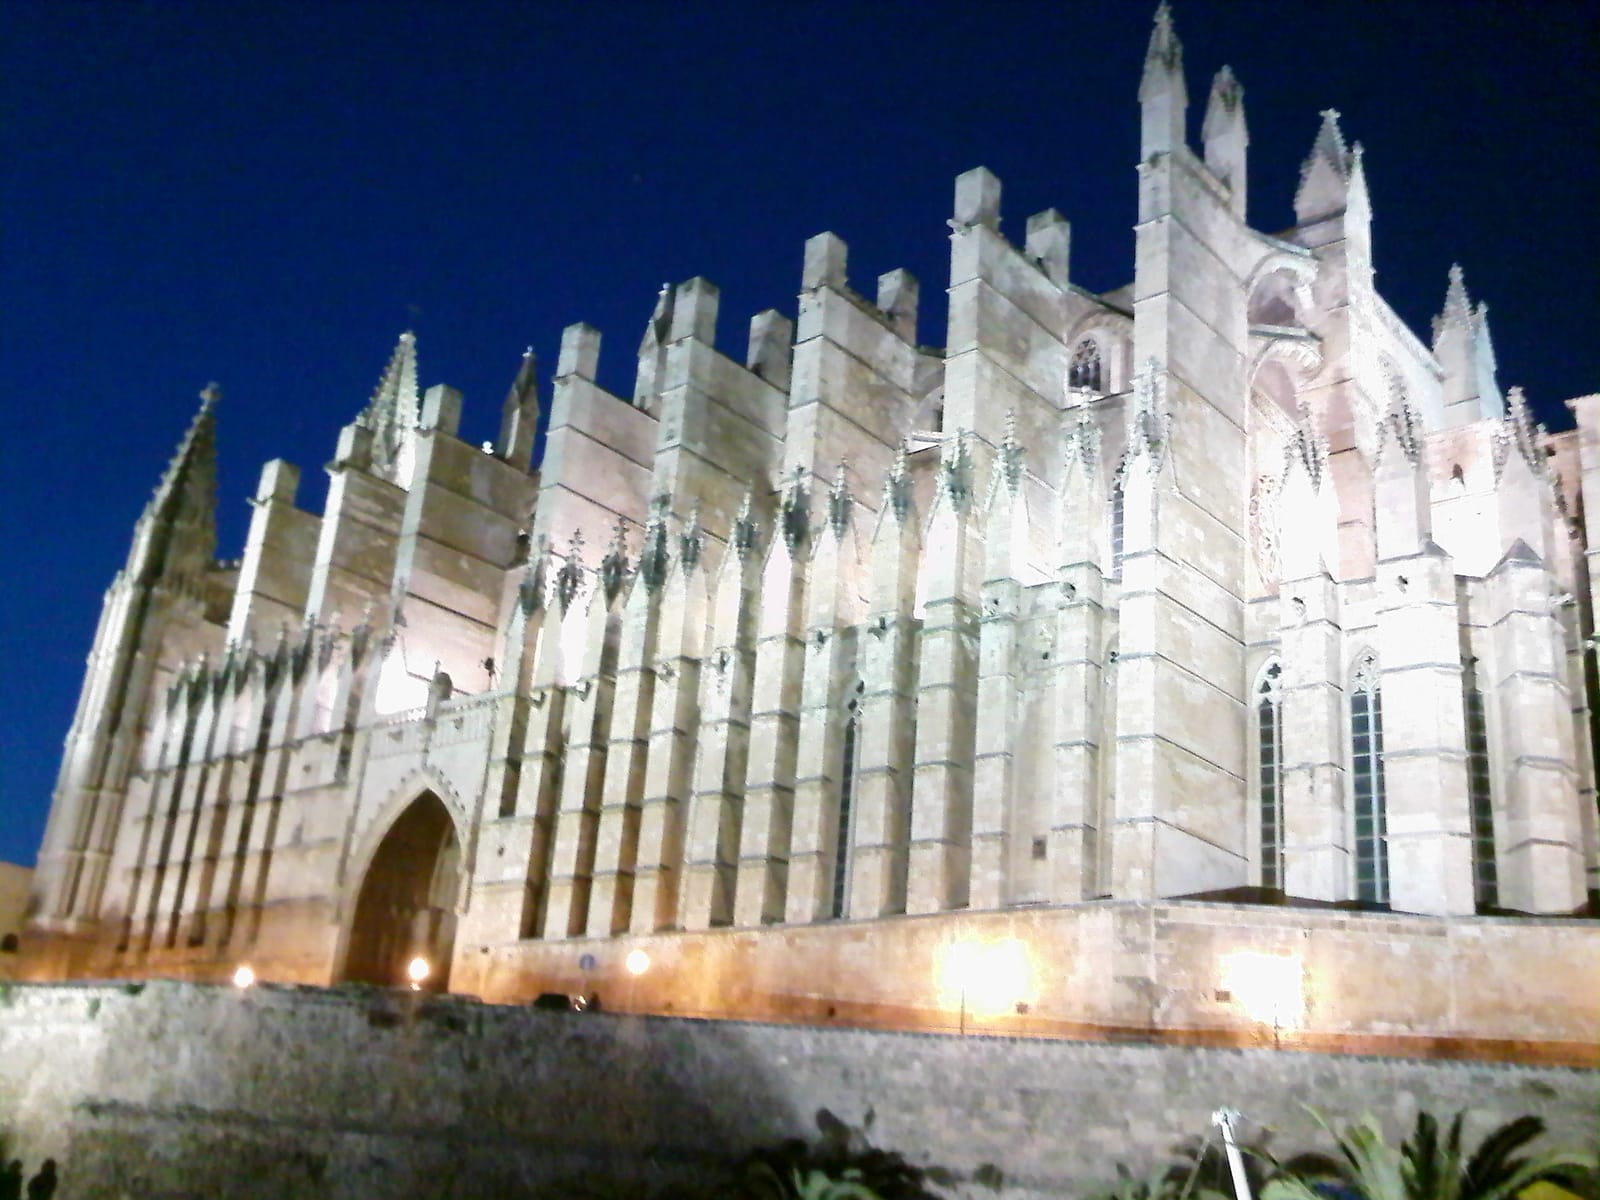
(722, 752)
(1077, 830)
(1316, 840)
(886, 734)
(824, 700)
(586, 721)
(1429, 816)
(775, 716)
(673, 724)
(995, 784)
(616, 852)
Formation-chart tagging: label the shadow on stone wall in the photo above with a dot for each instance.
(175, 1091)
(182, 1091)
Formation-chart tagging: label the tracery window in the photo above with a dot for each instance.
(1366, 782)
(1084, 371)
(847, 788)
(1269, 772)
(1485, 879)
(1118, 518)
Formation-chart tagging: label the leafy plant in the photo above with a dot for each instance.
(1431, 1166)
(1171, 1181)
(843, 1165)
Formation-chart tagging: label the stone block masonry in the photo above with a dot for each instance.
(180, 1090)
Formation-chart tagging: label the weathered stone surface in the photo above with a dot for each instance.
(177, 1090)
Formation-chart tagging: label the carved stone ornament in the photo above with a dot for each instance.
(1365, 678)
(614, 566)
(839, 503)
(1264, 526)
(955, 473)
(745, 531)
(796, 512)
(691, 542)
(897, 488)
(569, 580)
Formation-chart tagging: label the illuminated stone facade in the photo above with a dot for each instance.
(1221, 584)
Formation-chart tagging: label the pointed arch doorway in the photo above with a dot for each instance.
(406, 906)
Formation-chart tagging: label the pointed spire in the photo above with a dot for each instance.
(1165, 52)
(1163, 99)
(531, 591)
(839, 501)
(955, 472)
(614, 566)
(393, 413)
(692, 541)
(1011, 454)
(655, 556)
(1326, 172)
(1308, 450)
(1358, 208)
(569, 580)
(659, 330)
(897, 496)
(1401, 426)
(178, 527)
(519, 415)
(1149, 423)
(746, 531)
(796, 510)
(1487, 364)
(1520, 432)
(1457, 310)
(1226, 140)
(1083, 440)
(1330, 145)
(1224, 107)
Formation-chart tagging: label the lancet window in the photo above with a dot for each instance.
(847, 790)
(1366, 782)
(1085, 370)
(1485, 880)
(1118, 517)
(1269, 771)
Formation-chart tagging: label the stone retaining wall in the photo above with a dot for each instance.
(177, 1090)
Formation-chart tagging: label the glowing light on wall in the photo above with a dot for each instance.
(1270, 988)
(418, 970)
(244, 977)
(398, 689)
(574, 637)
(985, 977)
(637, 962)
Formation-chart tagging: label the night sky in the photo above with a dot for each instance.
(267, 195)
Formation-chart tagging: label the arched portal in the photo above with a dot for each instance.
(406, 907)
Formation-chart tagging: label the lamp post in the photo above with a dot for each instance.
(1224, 1119)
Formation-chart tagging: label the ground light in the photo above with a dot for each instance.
(418, 971)
(1270, 988)
(244, 977)
(636, 964)
(985, 977)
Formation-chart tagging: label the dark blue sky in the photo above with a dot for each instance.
(267, 195)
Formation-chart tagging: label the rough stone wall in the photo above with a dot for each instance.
(176, 1090)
